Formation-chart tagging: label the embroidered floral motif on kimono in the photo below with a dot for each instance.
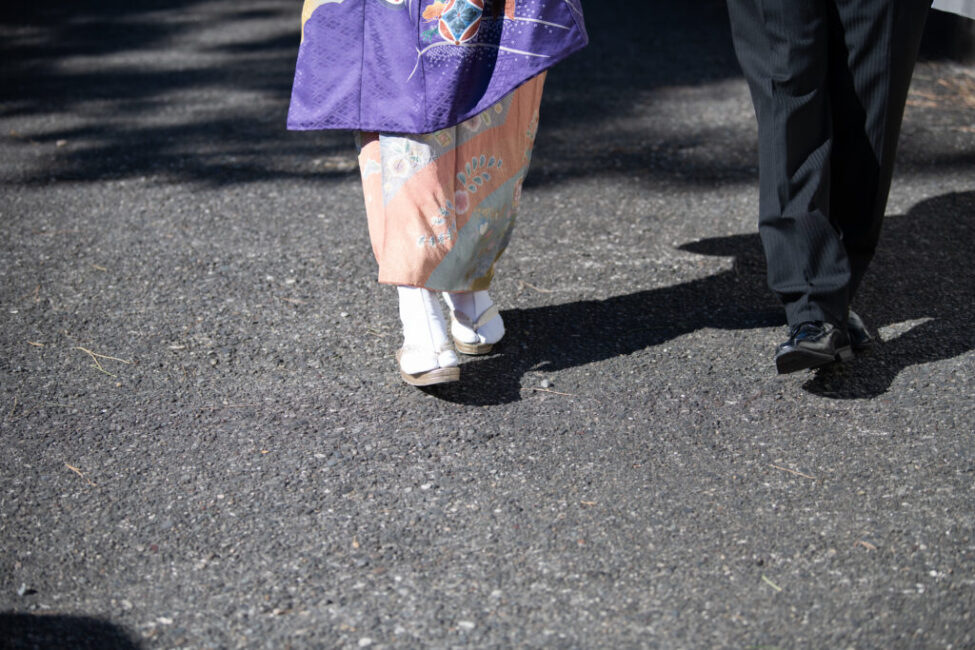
(441, 206)
(460, 20)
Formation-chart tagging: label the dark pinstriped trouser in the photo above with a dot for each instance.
(829, 81)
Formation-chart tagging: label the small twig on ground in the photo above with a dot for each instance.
(532, 286)
(99, 267)
(866, 545)
(294, 301)
(770, 583)
(15, 406)
(751, 399)
(36, 344)
(80, 473)
(792, 471)
(232, 406)
(921, 104)
(95, 357)
(546, 390)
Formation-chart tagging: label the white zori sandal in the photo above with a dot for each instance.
(426, 357)
(475, 322)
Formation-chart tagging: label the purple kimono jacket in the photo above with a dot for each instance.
(417, 66)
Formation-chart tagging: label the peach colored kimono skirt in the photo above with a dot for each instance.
(441, 206)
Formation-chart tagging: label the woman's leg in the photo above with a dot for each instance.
(426, 356)
(475, 323)
(441, 209)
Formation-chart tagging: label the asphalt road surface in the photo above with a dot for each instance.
(206, 443)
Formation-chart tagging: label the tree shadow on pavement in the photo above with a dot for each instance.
(29, 631)
(190, 90)
(197, 90)
(923, 271)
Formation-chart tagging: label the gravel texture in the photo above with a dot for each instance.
(207, 445)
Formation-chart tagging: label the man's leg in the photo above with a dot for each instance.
(783, 48)
(873, 47)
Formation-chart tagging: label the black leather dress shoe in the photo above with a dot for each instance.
(813, 344)
(860, 339)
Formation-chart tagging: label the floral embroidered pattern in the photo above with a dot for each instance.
(443, 208)
(418, 66)
(447, 225)
(460, 20)
(476, 172)
(433, 11)
(402, 158)
(444, 137)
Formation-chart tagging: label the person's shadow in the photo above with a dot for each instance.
(923, 270)
(32, 631)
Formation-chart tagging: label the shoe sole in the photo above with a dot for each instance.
(431, 377)
(797, 360)
(473, 349)
(862, 348)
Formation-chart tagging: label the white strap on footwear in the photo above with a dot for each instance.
(439, 374)
(414, 359)
(465, 320)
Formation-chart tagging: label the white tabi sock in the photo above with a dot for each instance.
(425, 343)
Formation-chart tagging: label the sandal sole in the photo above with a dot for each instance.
(431, 377)
(473, 349)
